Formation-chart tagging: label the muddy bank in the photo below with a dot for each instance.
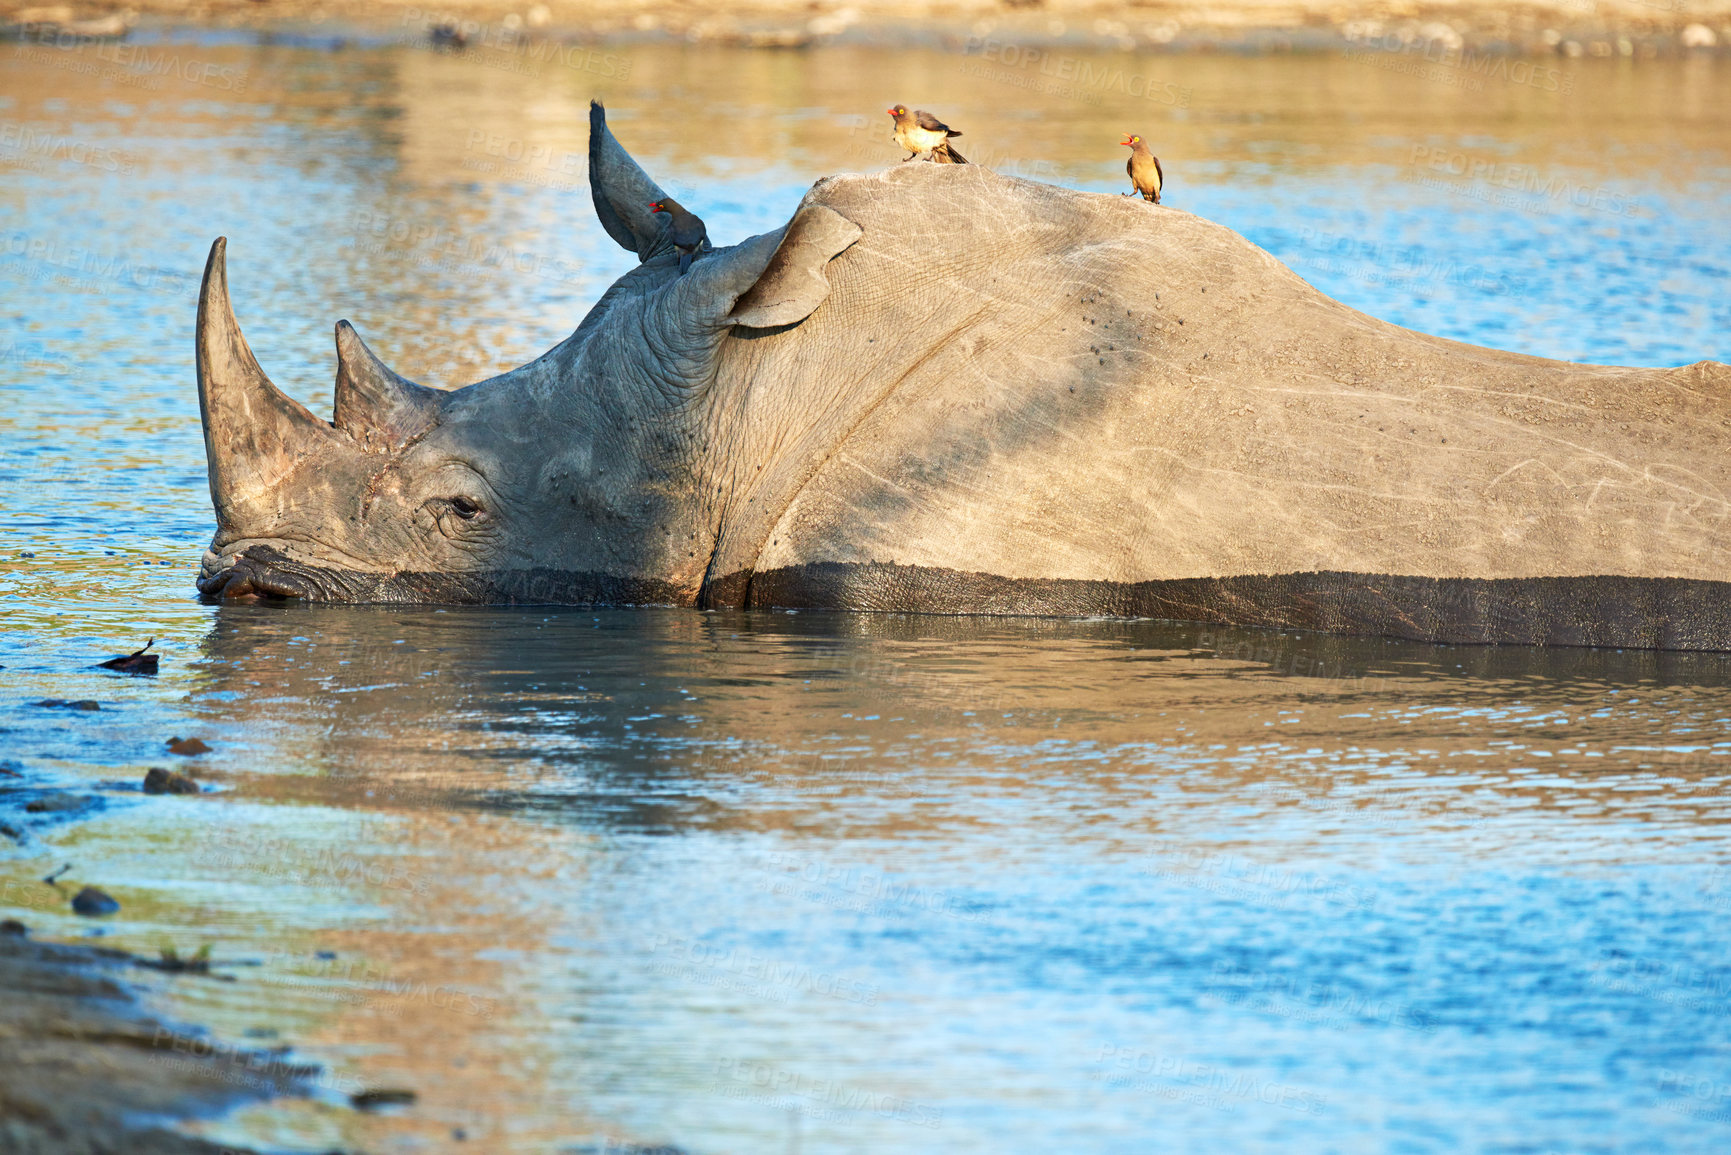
(84, 1064)
(1570, 28)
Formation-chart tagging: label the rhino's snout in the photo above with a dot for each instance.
(253, 575)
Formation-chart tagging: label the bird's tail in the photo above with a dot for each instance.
(949, 153)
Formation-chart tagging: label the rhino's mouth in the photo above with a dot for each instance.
(260, 573)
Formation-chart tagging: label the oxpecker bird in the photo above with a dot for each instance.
(1144, 169)
(689, 235)
(923, 134)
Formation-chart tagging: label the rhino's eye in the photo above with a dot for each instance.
(464, 508)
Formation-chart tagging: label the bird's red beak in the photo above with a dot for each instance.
(891, 111)
(1126, 140)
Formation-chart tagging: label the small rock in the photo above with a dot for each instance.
(1698, 36)
(93, 902)
(448, 35)
(67, 704)
(373, 1100)
(13, 927)
(187, 746)
(54, 803)
(160, 781)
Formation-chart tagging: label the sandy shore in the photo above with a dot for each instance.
(1606, 28)
(82, 1062)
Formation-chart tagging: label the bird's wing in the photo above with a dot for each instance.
(932, 124)
(1159, 172)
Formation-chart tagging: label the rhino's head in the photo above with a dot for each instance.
(585, 475)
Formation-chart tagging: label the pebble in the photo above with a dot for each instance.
(93, 902)
(160, 781)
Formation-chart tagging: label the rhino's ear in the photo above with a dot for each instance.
(770, 280)
(792, 285)
(622, 191)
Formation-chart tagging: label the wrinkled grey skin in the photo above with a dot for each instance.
(938, 389)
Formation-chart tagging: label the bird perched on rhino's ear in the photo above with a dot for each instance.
(1144, 169)
(688, 232)
(923, 134)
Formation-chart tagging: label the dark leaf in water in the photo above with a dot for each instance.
(137, 662)
(373, 1100)
(54, 803)
(67, 704)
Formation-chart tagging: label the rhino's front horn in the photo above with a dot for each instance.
(254, 435)
(381, 410)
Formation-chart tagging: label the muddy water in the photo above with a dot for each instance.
(773, 882)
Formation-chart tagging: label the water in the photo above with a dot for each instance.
(776, 882)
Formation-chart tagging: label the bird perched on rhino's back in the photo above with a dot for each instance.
(688, 233)
(1144, 169)
(923, 134)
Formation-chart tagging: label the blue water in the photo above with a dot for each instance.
(777, 882)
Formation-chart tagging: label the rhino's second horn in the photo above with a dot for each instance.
(376, 406)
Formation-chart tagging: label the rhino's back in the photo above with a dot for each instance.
(1090, 404)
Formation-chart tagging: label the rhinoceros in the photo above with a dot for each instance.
(938, 389)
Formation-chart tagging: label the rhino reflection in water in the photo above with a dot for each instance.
(938, 389)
